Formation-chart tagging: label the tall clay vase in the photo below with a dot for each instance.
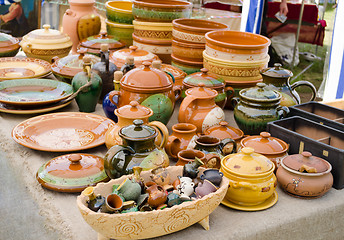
(81, 21)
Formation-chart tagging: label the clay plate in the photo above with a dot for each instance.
(33, 92)
(19, 67)
(62, 132)
(17, 110)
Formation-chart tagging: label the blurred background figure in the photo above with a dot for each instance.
(14, 21)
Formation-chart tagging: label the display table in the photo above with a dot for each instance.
(29, 211)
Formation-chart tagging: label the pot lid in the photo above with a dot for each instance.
(96, 41)
(134, 110)
(276, 72)
(248, 162)
(147, 77)
(306, 163)
(260, 92)
(72, 172)
(209, 79)
(47, 36)
(176, 72)
(201, 92)
(7, 40)
(139, 55)
(265, 144)
(224, 130)
(137, 131)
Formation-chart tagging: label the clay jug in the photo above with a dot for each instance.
(81, 21)
(200, 109)
(191, 168)
(157, 194)
(182, 137)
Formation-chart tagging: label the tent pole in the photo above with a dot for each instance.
(298, 32)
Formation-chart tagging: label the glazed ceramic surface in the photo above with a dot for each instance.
(161, 11)
(81, 21)
(177, 73)
(29, 92)
(251, 177)
(188, 51)
(19, 67)
(46, 43)
(304, 175)
(34, 110)
(122, 32)
(139, 224)
(71, 172)
(9, 46)
(189, 155)
(61, 132)
(119, 11)
(153, 30)
(224, 130)
(187, 66)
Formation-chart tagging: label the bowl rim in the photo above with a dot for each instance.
(224, 63)
(118, 25)
(154, 4)
(153, 24)
(117, 9)
(181, 23)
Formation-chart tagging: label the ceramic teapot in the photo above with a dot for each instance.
(256, 107)
(200, 109)
(138, 149)
(278, 79)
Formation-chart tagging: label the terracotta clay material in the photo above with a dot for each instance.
(224, 130)
(189, 155)
(177, 73)
(188, 51)
(187, 66)
(9, 46)
(153, 30)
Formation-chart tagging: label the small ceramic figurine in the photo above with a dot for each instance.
(157, 195)
(212, 175)
(205, 188)
(160, 176)
(186, 188)
(94, 202)
(129, 190)
(191, 169)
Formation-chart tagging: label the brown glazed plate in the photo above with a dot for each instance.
(62, 132)
(41, 109)
(21, 67)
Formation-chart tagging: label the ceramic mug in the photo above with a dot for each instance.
(205, 188)
(129, 190)
(212, 175)
(113, 204)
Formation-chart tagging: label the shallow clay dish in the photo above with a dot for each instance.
(33, 92)
(40, 109)
(20, 67)
(62, 132)
(138, 225)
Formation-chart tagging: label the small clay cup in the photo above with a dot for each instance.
(205, 188)
(212, 175)
(189, 155)
(113, 203)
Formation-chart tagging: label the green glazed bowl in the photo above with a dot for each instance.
(119, 11)
(121, 32)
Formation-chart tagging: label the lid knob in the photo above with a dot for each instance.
(261, 85)
(104, 47)
(247, 150)
(156, 64)
(103, 34)
(75, 158)
(133, 48)
(82, 51)
(46, 27)
(265, 134)
(201, 84)
(306, 154)
(223, 123)
(277, 66)
(146, 64)
(138, 123)
(204, 70)
(87, 60)
(129, 60)
(134, 104)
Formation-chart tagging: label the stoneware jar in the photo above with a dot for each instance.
(9, 46)
(251, 178)
(273, 148)
(278, 79)
(304, 175)
(183, 136)
(224, 130)
(212, 81)
(257, 106)
(46, 43)
(81, 21)
(152, 88)
(138, 149)
(200, 109)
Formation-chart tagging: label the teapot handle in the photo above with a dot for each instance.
(112, 94)
(172, 140)
(177, 92)
(306, 84)
(183, 106)
(235, 101)
(282, 111)
(229, 89)
(163, 130)
(111, 166)
(225, 141)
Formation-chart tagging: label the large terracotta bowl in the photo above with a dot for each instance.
(153, 30)
(119, 11)
(187, 66)
(138, 225)
(122, 32)
(188, 51)
(236, 46)
(193, 30)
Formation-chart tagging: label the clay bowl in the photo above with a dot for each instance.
(139, 225)
(9, 46)
(236, 46)
(188, 51)
(153, 30)
(161, 11)
(119, 11)
(122, 32)
(187, 66)
(193, 30)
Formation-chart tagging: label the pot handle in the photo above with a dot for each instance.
(247, 185)
(235, 101)
(112, 94)
(163, 130)
(226, 141)
(308, 169)
(231, 90)
(306, 84)
(28, 47)
(111, 166)
(210, 164)
(55, 59)
(177, 92)
(172, 140)
(282, 111)
(183, 106)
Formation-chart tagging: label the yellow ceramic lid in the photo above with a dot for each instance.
(134, 110)
(47, 38)
(248, 162)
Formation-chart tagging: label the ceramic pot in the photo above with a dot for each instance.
(188, 51)
(94, 202)
(92, 44)
(212, 81)
(161, 11)
(186, 188)
(191, 168)
(213, 176)
(153, 30)
(193, 30)
(9, 46)
(80, 21)
(161, 177)
(273, 148)
(257, 106)
(152, 88)
(224, 130)
(129, 189)
(138, 149)
(187, 66)
(304, 175)
(121, 32)
(205, 188)
(46, 43)
(189, 155)
(237, 46)
(251, 177)
(182, 137)
(119, 57)
(108, 107)
(177, 73)
(113, 204)
(157, 195)
(278, 78)
(161, 47)
(200, 109)
(119, 11)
